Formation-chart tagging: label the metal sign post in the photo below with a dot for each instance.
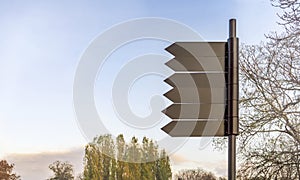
(232, 98)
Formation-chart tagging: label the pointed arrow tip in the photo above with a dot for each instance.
(169, 82)
(168, 95)
(168, 92)
(169, 127)
(172, 64)
(164, 111)
(170, 48)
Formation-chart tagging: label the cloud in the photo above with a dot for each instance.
(35, 166)
(178, 159)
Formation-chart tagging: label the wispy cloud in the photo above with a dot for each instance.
(178, 159)
(35, 166)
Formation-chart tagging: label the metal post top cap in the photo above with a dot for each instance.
(232, 28)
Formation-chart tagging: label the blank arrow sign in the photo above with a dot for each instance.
(195, 111)
(199, 64)
(195, 128)
(196, 95)
(194, 80)
(197, 49)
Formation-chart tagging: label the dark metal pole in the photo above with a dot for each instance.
(232, 98)
(231, 157)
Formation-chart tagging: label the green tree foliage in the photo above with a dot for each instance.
(122, 169)
(196, 174)
(147, 167)
(107, 159)
(61, 170)
(98, 159)
(6, 171)
(134, 155)
(106, 146)
(163, 166)
(93, 167)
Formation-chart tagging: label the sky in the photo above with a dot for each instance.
(42, 45)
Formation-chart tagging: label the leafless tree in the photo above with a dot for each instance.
(290, 18)
(195, 174)
(270, 102)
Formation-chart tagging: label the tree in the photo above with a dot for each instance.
(91, 161)
(269, 141)
(134, 159)
(99, 161)
(148, 163)
(61, 170)
(106, 147)
(195, 174)
(163, 166)
(109, 159)
(290, 18)
(270, 102)
(122, 171)
(6, 171)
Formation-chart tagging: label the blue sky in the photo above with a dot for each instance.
(41, 45)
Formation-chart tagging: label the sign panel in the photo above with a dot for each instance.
(195, 111)
(193, 64)
(196, 95)
(198, 49)
(199, 89)
(195, 128)
(197, 80)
